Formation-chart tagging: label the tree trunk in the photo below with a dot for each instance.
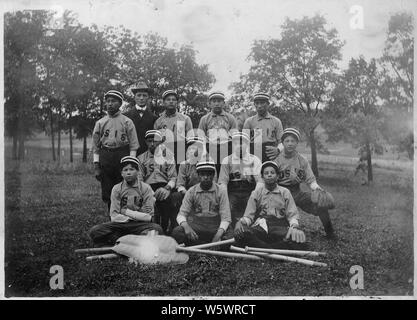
(59, 140)
(314, 166)
(85, 149)
(369, 160)
(21, 138)
(70, 141)
(14, 155)
(52, 136)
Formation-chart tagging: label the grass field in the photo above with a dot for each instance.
(49, 210)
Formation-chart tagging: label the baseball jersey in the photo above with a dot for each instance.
(217, 126)
(158, 167)
(138, 197)
(235, 169)
(269, 127)
(179, 124)
(188, 176)
(294, 170)
(278, 202)
(206, 204)
(114, 132)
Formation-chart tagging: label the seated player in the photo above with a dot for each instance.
(131, 208)
(295, 169)
(205, 213)
(157, 168)
(271, 217)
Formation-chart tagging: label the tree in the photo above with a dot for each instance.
(23, 31)
(397, 88)
(354, 113)
(298, 70)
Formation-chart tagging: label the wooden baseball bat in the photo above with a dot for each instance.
(218, 253)
(103, 257)
(212, 244)
(281, 257)
(287, 252)
(94, 250)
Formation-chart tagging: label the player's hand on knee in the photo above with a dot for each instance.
(97, 171)
(240, 227)
(296, 235)
(189, 232)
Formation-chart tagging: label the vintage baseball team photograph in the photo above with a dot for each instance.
(208, 149)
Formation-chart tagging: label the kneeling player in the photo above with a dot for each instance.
(271, 216)
(295, 169)
(131, 209)
(205, 212)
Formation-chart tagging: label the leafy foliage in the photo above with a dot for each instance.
(298, 70)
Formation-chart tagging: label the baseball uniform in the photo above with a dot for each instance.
(205, 211)
(113, 138)
(138, 198)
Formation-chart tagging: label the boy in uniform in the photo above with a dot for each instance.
(217, 126)
(157, 168)
(265, 128)
(174, 126)
(295, 169)
(131, 210)
(239, 174)
(205, 213)
(114, 136)
(271, 216)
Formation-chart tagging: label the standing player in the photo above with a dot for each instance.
(239, 174)
(205, 213)
(157, 168)
(271, 216)
(141, 114)
(265, 126)
(131, 210)
(295, 169)
(217, 126)
(114, 136)
(174, 126)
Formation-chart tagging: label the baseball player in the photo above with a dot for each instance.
(205, 213)
(217, 126)
(114, 136)
(271, 216)
(173, 125)
(141, 114)
(295, 169)
(157, 168)
(239, 174)
(131, 210)
(265, 129)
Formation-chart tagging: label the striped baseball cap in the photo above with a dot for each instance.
(169, 92)
(290, 131)
(115, 94)
(206, 165)
(269, 164)
(129, 159)
(191, 140)
(216, 94)
(153, 133)
(261, 96)
(241, 135)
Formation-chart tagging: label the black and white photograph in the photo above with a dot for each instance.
(196, 149)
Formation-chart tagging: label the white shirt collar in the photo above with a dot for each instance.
(139, 108)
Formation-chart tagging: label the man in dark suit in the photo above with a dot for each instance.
(141, 114)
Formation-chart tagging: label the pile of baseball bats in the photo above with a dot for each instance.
(250, 253)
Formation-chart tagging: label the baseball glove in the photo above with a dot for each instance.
(323, 199)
